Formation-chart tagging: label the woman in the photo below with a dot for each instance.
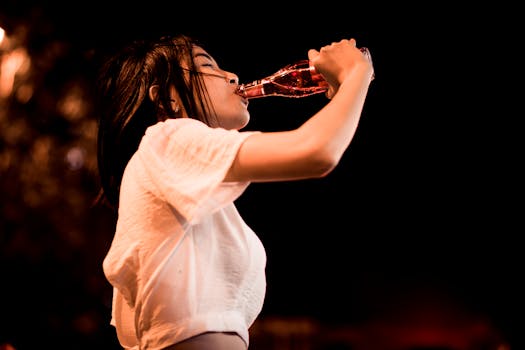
(186, 270)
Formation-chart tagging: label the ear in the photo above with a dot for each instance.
(153, 92)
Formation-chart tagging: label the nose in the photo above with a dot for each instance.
(232, 79)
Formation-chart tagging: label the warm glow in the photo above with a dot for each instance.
(12, 63)
(73, 105)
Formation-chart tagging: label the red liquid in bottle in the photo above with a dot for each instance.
(295, 80)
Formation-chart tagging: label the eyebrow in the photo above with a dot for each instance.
(201, 54)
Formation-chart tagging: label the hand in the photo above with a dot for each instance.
(335, 62)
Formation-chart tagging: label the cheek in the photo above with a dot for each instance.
(215, 85)
(218, 92)
(220, 96)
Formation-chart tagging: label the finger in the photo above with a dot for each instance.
(330, 93)
(312, 54)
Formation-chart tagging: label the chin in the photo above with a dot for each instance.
(244, 122)
(237, 122)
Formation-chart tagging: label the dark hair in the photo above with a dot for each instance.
(126, 110)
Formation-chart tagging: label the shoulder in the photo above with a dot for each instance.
(158, 136)
(190, 135)
(170, 126)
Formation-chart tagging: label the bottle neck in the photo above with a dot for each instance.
(251, 90)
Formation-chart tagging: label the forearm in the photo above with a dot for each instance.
(331, 130)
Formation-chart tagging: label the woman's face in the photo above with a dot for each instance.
(231, 108)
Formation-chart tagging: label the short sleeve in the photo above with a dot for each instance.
(187, 162)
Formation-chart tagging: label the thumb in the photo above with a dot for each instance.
(312, 54)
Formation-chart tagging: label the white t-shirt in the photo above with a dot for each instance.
(183, 261)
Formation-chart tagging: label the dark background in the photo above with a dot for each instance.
(427, 197)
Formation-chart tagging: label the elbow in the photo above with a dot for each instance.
(323, 164)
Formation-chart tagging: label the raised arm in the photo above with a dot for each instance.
(315, 148)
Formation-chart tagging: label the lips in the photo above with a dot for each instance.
(239, 90)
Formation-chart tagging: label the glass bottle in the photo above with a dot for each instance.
(299, 79)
